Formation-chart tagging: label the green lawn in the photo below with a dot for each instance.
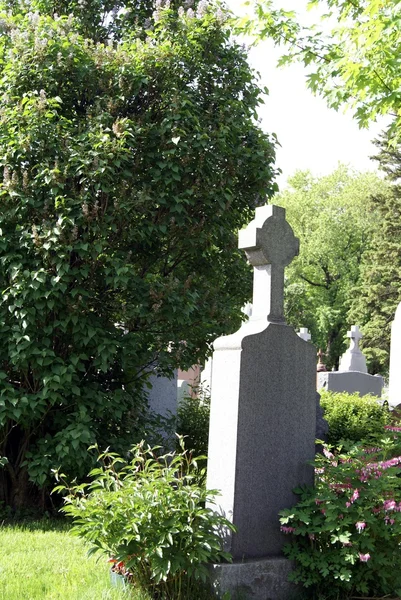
(43, 560)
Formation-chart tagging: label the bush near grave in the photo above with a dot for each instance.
(149, 515)
(346, 531)
(127, 167)
(352, 417)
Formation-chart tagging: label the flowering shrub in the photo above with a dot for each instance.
(347, 529)
(150, 517)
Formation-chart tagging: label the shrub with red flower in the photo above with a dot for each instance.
(346, 531)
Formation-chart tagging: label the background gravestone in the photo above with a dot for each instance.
(262, 425)
(394, 392)
(352, 375)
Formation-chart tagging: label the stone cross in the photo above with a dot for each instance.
(304, 334)
(353, 359)
(270, 245)
(355, 334)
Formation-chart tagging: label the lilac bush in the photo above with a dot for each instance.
(346, 531)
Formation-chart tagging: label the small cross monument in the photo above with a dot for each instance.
(270, 245)
(353, 359)
(304, 334)
(263, 411)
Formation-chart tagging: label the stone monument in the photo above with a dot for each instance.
(352, 375)
(262, 424)
(304, 334)
(394, 391)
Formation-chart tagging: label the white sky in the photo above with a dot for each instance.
(311, 135)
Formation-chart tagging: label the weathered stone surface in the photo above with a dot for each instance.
(263, 409)
(162, 396)
(265, 579)
(350, 382)
(394, 392)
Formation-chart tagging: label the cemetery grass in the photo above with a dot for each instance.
(43, 560)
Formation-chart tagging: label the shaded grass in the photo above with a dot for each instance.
(43, 560)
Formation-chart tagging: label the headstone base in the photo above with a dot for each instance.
(259, 579)
(350, 382)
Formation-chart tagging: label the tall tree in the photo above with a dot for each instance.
(334, 221)
(128, 165)
(379, 289)
(352, 53)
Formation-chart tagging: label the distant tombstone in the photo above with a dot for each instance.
(394, 392)
(304, 334)
(353, 359)
(262, 425)
(162, 395)
(352, 376)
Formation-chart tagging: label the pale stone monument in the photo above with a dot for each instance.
(353, 359)
(262, 425)
(352, 375)
(394, 392)
(304, 334)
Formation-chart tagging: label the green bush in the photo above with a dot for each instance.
(352, 417)
(150, 516)
(193, 417)
(347, 530)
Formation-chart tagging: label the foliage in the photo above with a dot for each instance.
(150, 515)
(379, 290)
(348, 65)
(127, 169)
(42, 560)
(347, 530)
(352, 417)
(334, 221)
(193, 417)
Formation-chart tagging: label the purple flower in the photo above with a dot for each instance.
(364, 557)
(285, 529)
(389, 505)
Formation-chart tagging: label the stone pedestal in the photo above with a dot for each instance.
(350, 382)
(265, 579)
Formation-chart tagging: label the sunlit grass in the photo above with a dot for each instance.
(41, 560)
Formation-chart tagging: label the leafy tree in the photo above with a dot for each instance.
(352, 53)
(334, 221)
(379, 290)
(127, 168)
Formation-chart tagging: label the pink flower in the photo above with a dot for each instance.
(364, 557)
(327, 453)
(360, 526)
(285, 529)
(392, 428)
(389, 505)
(311, 536)
(354, 496)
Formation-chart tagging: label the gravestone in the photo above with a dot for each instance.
(162, 395)
(394, 391)
(353, 359)
(304, 334)
(352, 375)
(262, 423)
